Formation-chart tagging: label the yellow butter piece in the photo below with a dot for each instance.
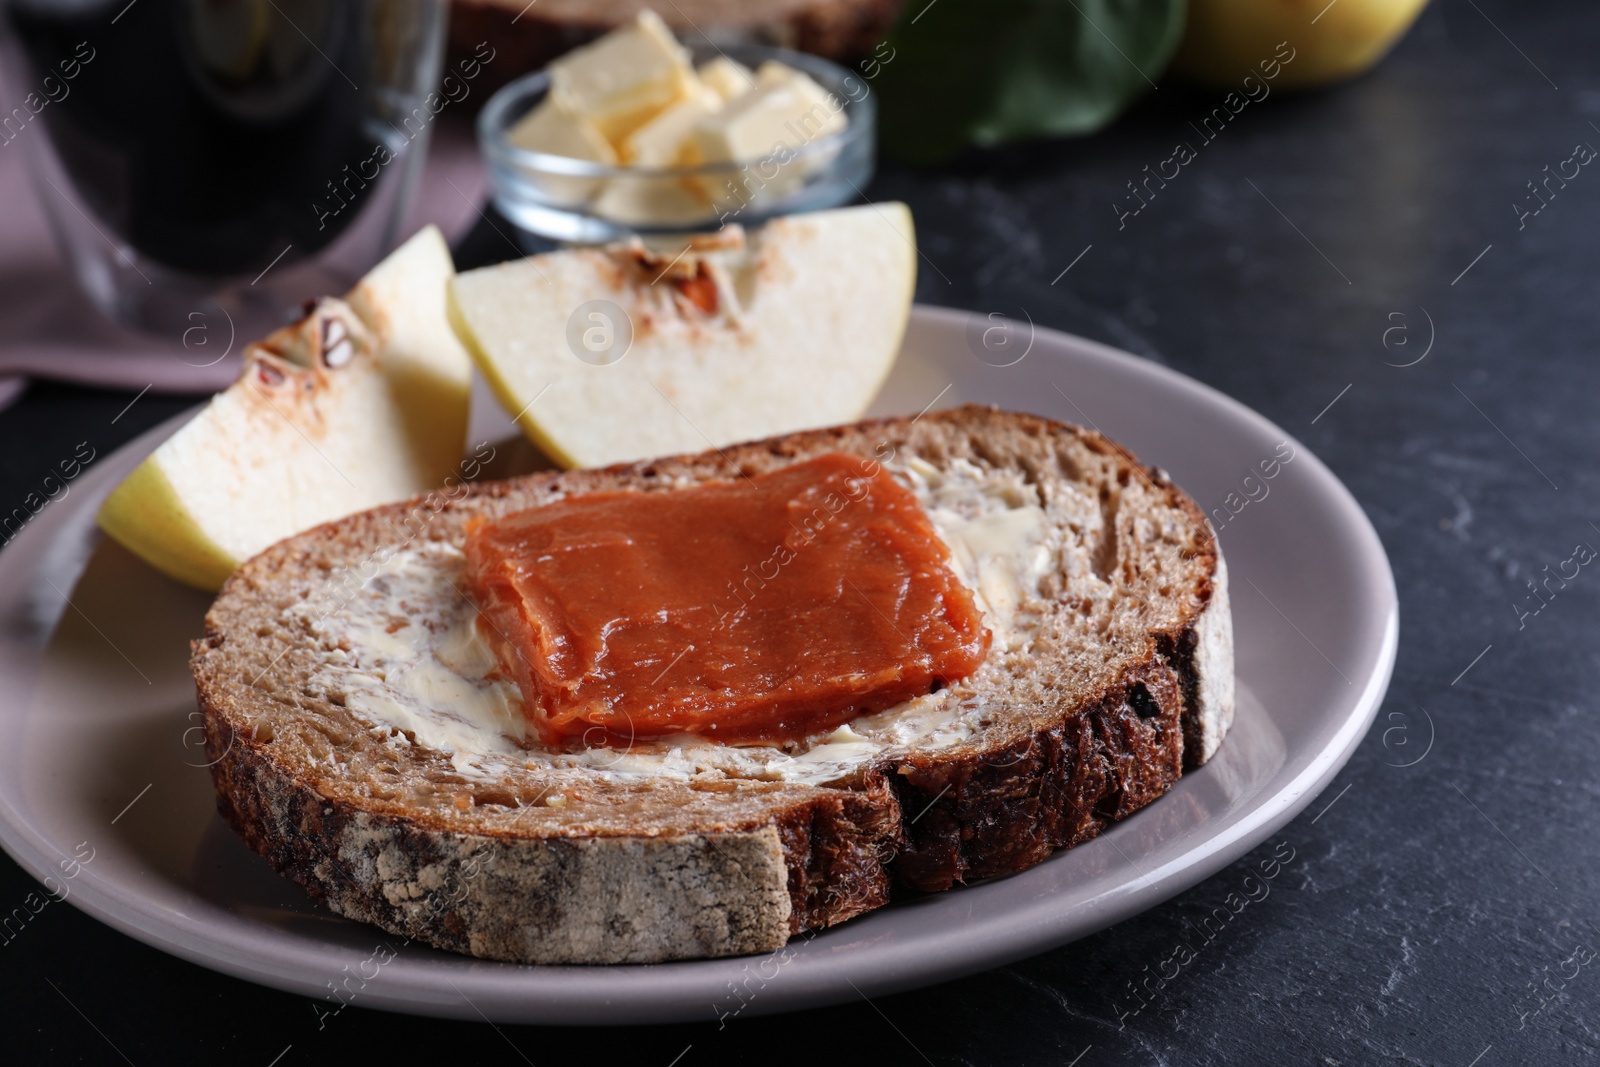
(554, 130)
(728, 78)
(642, 201)
(661, 141)
(788, 111)
(774, 73)
(625, 78)
(767, 127)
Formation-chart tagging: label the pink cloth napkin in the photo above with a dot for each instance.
(48, 329)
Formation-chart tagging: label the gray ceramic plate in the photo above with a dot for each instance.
(100, 756)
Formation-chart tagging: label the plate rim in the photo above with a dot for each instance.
(293, 969)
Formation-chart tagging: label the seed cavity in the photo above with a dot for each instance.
(337, 348)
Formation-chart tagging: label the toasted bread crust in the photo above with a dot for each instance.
(563, 900)
(670, 870)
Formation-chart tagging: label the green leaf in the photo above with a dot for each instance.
(985, 72)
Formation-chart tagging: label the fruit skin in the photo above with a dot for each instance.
(503, 390)
(404, 300)
(1226, 40)
(146, 514)
(386, 401)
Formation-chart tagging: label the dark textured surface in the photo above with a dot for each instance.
(1411, 921)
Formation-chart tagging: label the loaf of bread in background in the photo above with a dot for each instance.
(526, 36)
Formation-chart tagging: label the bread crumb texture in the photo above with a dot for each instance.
(1115, 675)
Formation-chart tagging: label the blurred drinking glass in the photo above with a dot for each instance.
(246, 154)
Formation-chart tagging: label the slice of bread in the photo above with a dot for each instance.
(364, 746)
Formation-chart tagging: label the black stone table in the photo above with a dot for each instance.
(1441, 912)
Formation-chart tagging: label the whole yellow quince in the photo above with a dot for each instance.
(1225, 40)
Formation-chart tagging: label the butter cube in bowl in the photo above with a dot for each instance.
(637, 134)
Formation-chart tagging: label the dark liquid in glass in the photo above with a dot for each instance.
(205, 133)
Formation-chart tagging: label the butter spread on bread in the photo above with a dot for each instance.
(441, 680)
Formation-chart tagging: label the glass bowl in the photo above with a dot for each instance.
(563, 199)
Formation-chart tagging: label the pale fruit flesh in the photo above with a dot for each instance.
(808, 317)
(148, 516)
(1227, 40)
(362, 403)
